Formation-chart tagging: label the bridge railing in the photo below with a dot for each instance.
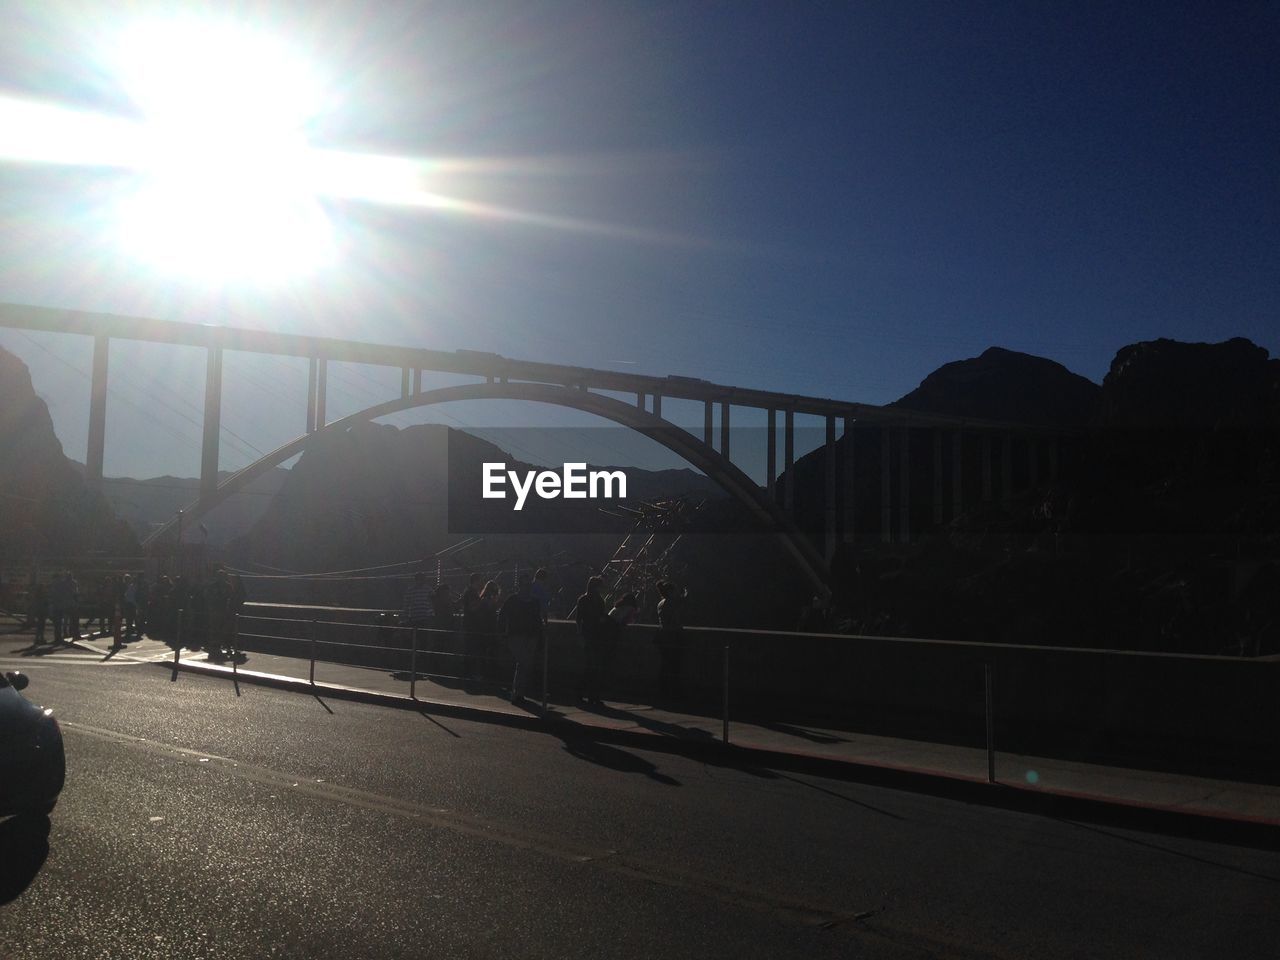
(1187, 711)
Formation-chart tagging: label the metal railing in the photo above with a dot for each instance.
(309, 631)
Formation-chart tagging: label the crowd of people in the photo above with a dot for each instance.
(195, 611)
(497, 630)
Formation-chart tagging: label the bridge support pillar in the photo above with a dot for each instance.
(957, 473)
(789, 459)
(1006, 467)
(639, 401)
(771, 455)
(212, 422)
(311, 395)
(886, 485)
(322, 391)
(846, 501)
(986, 468)
(724, 428)
(937, 477)
(97, 412)
(657, 405)
(404, 383)
(706, 424)
(417, 381)
(904, 487)
(829, 488)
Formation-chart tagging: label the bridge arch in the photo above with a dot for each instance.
(676, 439)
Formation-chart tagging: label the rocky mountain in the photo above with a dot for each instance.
(1161, 532)
(149, 503)
(46, 511)
(1007, 385)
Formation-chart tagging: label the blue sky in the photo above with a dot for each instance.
(832, 199)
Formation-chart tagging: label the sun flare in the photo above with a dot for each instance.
(224, 186)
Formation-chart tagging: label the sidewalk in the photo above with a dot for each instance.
(933, 766)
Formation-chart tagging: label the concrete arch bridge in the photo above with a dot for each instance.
(928, 466)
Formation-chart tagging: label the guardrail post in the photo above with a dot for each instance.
(989, 678)
(177, 640)
(724, 697)
(314, 628)
(413, 664)
(546, 646)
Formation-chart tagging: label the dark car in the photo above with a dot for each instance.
(32, 764)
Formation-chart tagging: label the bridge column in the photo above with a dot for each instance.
(771, 455)
(311, 395)
(657, 405)
(97, 413)
(957, 473)
(404, 383)
(904, 488)
(322, 391)
(706, 423)
(937, 476)
(789, 459)
(847, 503)
(212, 422)
(886, 485)
(829, 478)
(417, 381)
(724, 428)
(1006, 467)
(639, 401)
(986, 468)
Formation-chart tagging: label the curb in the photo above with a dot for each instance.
(1190, 822)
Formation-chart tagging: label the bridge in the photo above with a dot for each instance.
(947, 450)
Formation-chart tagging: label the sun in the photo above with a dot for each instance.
(224, 183)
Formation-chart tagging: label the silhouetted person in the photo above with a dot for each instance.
(591, 615)
(38, 608)
(541, 591)
(60, 605)
(813, 618)
(162, 607)
(73, 605)
(129, 604)
(217, 607)
(487, 630)
(472, 613)
(143, 605)
(520, 621)
(442, 607)
(670, 639)
(416, 611)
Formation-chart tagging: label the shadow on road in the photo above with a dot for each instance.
(24, 847)
(641, 719)
(603, 755)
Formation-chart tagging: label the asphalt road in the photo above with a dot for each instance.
(198, 822)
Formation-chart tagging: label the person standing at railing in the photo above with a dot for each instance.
(60, 605)
(590, 614)
(670, 639)
(129, 605)
(487, 630)
(520, 621)
(218, 609)
(416, 611)
(472, 612)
